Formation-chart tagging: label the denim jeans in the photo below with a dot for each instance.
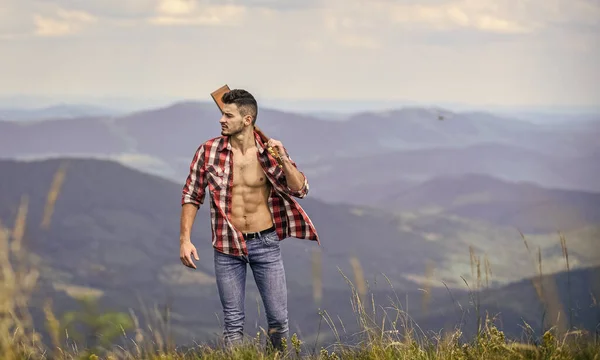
(264, 257)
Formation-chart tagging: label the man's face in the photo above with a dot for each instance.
(232, 122)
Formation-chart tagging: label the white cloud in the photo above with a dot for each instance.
(176, 7)
(496, 51)
(379, 23)
(482, 15)
(63, 23)
(75, 15)
(46, 26)
(172, 12)
(493, 16)
(105, 9)
(498, 25)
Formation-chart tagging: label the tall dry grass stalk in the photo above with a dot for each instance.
(55, 187)
(472, 261)
(488, 271)
(429, 270)
(547, 292)
(18, 280)
(475, 292)
(477, 289)
(565, 252)
(358, 296)
(359, 278)
(18, 337)
(317, 276)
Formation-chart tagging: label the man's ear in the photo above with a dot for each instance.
(248, 120)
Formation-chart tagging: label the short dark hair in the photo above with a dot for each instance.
(245, 102)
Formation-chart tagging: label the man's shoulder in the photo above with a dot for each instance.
(216, 141)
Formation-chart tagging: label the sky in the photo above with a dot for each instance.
(496, 52)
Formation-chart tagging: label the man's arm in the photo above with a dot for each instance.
(297, 184)
(296, 180)
(188, 215)
(193, 194)
(186, 248)
(192, 197)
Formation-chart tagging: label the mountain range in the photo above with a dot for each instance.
(114, 232)
(416, 196)
(408, 144)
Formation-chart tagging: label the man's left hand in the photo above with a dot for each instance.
(279, 146)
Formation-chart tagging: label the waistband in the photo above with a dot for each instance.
(254, 235)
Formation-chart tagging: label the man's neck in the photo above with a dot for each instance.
(243, 141)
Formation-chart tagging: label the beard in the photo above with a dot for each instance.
(231, 132)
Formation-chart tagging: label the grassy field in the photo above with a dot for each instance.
(388, 334)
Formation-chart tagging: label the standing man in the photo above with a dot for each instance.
(252, 210)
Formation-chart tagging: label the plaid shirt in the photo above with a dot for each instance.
(212, 166)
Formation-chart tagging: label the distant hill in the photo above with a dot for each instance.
(60, 111)
(114, 231)
(527, 308)
(523, 205)
(162, 140)
(506, 162)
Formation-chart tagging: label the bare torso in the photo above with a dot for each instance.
(250, 211)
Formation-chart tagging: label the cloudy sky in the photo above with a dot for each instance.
(502, 52)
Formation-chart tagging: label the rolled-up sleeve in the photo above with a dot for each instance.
(303, 190)
(195, 184)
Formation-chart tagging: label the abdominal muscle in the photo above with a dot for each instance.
(250, 194)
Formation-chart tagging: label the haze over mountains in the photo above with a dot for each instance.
(60, 111)
(410, 159)
(399, 190)
(419, 143)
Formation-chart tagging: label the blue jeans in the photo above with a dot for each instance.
(264, 257)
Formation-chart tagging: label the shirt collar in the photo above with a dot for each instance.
(259, 144)
(224, 144)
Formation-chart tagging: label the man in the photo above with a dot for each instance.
(252, 210)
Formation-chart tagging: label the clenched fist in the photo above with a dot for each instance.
(279, 146)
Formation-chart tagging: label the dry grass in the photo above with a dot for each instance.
(385, 332)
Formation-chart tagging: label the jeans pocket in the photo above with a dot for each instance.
(271, 239)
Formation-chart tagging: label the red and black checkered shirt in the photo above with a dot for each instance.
(212, 166)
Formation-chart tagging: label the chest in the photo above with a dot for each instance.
(247, 170)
